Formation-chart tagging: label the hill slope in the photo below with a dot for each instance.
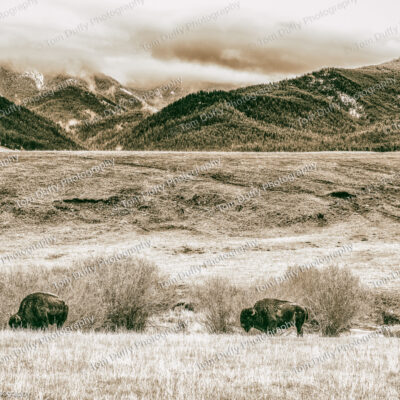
(94, 110)
(332, 109)
(23, 129)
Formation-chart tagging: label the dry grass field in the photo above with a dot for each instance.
(167, 369)
(293, 223)
(349, 198)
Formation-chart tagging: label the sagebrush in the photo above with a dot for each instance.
(119, 295)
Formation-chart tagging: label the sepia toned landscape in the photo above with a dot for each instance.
(199, 200)
(187, 224)
(293, 223)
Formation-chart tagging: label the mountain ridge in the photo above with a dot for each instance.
(313, 112)
(328, 109)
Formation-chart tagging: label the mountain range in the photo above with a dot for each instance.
(326, 110)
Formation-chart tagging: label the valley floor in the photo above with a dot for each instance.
(200, 366)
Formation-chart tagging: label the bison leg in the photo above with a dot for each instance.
(272, 325)
(299, 328)
(62, 317)
(45, 325)
(60, 323)
(300, 318)
(42, 318)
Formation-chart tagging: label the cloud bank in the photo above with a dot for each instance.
(145, 42)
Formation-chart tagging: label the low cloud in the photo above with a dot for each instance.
(251, 43)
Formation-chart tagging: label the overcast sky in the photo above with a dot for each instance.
(238, 42)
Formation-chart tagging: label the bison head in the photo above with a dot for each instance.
(247, 318)
(15, 321)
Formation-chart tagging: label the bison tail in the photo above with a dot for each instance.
(66, 309)
(307, 315)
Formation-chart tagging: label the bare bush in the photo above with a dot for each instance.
(386, 305)
(333, 295)
(129, 294)
(221, 303)
(119, 295)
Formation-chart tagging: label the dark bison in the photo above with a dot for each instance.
(269, 314)
(39, 310)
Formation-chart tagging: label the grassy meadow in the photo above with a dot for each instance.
(349, 199)
(168, 369)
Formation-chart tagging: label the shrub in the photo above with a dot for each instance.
(335, 299)
(386, 306)
(119, 295)
(333, 295)
(129, 294)
(221, 303)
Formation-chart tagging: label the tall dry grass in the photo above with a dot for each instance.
(167, 369)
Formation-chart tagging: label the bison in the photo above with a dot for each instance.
(269, 314)
(38, 311)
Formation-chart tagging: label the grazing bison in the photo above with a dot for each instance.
(269, 314)
(39, 310)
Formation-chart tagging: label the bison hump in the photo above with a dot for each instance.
(39, 299)
(44, 294)
(269, 304)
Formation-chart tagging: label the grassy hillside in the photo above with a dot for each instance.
(331, 109)
(70, 103)
(16, 86)
(106, 132)
(23, 129)
(294, 222)
(86, 110)
(92, 118)
(209, 202)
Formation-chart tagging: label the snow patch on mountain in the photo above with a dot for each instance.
(37, 77)
(354, 113)
(145, 106)
(346, 99)
(148, 107)
(356, 110)
(126, 91)
(70, 124)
